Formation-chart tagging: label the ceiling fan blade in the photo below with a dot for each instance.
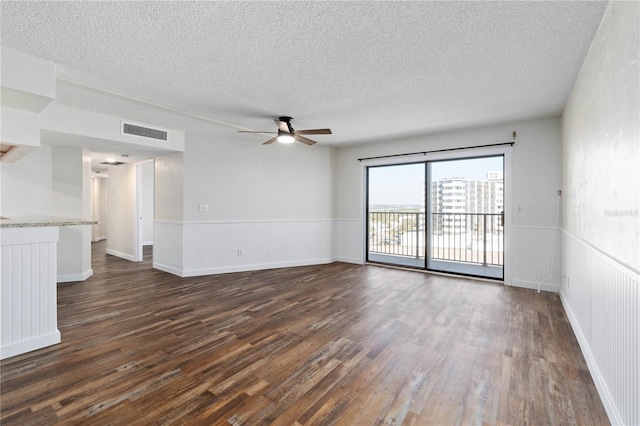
(313, 132)
(303, 139)
(254, 131)
(272, 140)
(282, 125)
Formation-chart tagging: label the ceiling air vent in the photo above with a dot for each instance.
(145, 132)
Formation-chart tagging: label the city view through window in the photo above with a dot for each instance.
(458, 230)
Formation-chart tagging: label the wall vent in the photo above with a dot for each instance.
(145, 132)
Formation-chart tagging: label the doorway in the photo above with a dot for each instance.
(439, 215)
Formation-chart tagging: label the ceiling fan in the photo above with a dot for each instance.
(286, 134)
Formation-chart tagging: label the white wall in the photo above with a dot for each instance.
(248, 206)
(99, 207)
(168, 230)
(601, 141)
(121, 211)
(26, 184)
(245, 180)
(147, 203)
(168, 189)
(536, 177)
(71, 197)
(601, 164)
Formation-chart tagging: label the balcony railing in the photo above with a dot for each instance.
(460, 237)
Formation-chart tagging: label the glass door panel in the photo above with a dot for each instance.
(466, 211)
(396, 215)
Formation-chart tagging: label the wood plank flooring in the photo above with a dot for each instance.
(329, 344)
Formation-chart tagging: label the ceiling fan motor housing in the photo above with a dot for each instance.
(287, 120)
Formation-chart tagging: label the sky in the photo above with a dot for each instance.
(402, 184)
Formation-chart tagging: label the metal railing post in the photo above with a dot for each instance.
(417, 235)
(484, 231)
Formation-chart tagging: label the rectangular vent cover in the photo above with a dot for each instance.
(112, 163)
(145, 132)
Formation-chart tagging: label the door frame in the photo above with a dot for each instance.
(505, 151)
(139, 201)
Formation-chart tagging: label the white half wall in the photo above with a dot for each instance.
(28, 313)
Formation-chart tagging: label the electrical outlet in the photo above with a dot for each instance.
(519, 209)
(203, 207)
(240, 252)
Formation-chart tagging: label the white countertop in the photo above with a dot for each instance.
(17, 221)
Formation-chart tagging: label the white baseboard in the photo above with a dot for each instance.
(29, 345)
(147, 243)
(168, 269)
(349, 260)
(553, 288)
(122, 255)
(253, 267)
(100, 238)
(71, 278)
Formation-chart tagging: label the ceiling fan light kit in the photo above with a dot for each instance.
(284, 137)
(286, 133)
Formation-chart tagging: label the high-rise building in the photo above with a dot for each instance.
(464, 196)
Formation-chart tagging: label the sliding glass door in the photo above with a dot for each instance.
(444, 216)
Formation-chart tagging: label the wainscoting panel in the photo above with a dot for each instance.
(168, 246)
(28, 296)
(212, 248)
(532, 257)
(349, 241)
(602, 300)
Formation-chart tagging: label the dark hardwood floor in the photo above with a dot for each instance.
(329, 344)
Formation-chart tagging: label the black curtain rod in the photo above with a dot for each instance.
(437, 150)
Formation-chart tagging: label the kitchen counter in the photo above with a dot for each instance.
(38, 221)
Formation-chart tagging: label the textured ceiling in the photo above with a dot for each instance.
(369, 70)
